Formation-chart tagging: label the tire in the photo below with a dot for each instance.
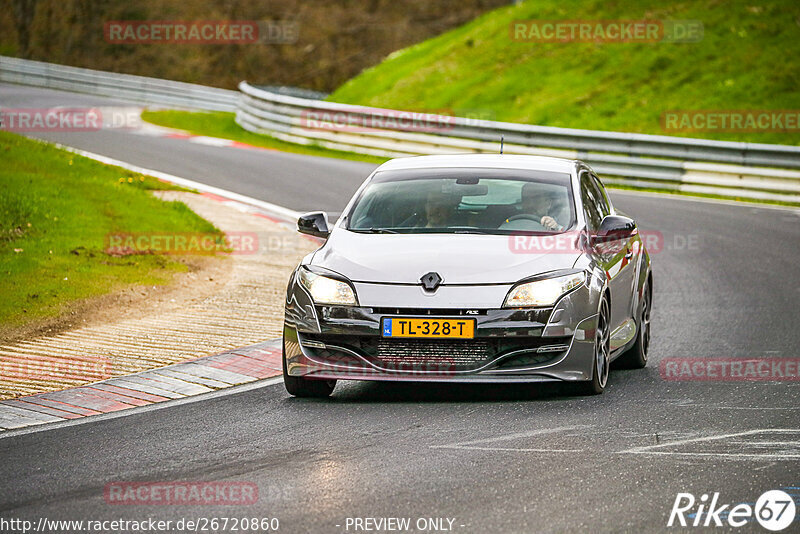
(600, 366)
(303, 387)
(636, 356)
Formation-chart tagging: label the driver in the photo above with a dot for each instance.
(440, 210)
(541, 205)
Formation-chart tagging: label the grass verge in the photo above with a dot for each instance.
(56, 209)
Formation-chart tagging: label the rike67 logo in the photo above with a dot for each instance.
(774, 510)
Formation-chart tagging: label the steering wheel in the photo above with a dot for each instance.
(527, 217)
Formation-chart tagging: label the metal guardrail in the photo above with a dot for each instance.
(139, 89)
(746, 170)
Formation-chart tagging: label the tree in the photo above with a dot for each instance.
(24, 11)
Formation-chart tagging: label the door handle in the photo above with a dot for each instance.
(629, 254)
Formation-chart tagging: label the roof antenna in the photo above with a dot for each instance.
(501, 144)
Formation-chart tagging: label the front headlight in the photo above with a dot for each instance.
(326, 290)
(543, 292)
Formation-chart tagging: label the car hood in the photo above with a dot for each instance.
(457, 258)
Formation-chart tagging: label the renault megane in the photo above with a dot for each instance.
(469, 268)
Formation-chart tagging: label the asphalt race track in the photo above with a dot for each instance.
(493, 459)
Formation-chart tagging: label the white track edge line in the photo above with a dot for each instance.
(280, 211)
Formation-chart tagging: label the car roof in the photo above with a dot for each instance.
(497, 161)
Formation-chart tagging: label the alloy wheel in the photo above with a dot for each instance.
(601, 344)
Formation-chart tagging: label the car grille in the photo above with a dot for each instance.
(459, 354)
(433, 355)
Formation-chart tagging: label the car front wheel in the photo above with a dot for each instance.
(597, 384)
(303, 387)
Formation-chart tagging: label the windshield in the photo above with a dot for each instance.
(487, 201)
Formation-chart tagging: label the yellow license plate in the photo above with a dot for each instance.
(437, 328)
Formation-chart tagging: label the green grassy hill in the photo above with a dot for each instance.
(749, 58)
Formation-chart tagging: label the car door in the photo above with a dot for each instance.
(614, 256)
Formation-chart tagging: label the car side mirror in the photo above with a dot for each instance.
(614, 227)
(314, 223)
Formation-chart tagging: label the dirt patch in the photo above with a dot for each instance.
(205, 275)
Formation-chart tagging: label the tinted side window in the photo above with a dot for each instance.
(590, 197)
(604, 204)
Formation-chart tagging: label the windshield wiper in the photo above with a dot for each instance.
(458, 230)
(373, 230)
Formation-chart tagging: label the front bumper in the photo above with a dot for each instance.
(510, 345)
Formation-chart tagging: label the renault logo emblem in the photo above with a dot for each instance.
(431, 281)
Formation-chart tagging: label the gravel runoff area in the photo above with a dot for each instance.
(240, 305)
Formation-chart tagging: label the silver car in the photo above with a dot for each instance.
(469, 268)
